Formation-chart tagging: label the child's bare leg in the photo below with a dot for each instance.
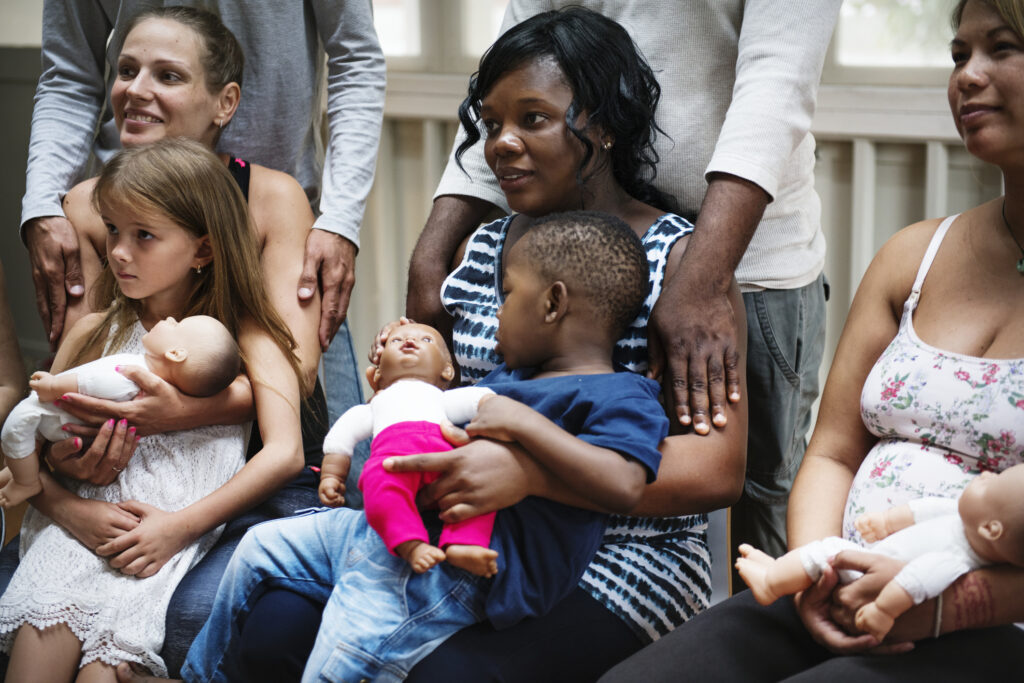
(769, 578)
(127, 674)
(96, 672)
(420, 556)
(47, 656)
(475, 559)
(23, 482)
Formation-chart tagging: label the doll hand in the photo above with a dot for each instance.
(872, 526)
(332, 491)
(878, 571)
(871, 619)
(144, 550)
(42, 383)
(377, 347)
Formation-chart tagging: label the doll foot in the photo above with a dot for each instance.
(475, 559)
(753, 568)
(420, 556)
(13, 493)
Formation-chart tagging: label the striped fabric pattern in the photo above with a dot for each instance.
(654, 573)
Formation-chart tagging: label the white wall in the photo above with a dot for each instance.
(21, 23)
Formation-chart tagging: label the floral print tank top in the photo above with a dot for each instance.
(941, 417)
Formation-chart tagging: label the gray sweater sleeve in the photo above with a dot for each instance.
(68, 101)
(355, 111)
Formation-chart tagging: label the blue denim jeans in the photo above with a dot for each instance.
(380, 618)
(785, 343)
(344, 389)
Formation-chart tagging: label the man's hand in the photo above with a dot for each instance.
(692, 340)
(56, 270)
(330, 264)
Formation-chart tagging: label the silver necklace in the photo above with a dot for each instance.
(1020, 263)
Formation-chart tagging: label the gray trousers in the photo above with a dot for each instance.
(785, 343)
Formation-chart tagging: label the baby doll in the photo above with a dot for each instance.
(938, 538)
(197, 355)
(404, 417)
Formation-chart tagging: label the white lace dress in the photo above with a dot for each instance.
(117, 617)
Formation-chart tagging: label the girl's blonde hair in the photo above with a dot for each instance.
(1011, 11)
(184, 181)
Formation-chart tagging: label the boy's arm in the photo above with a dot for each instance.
(603, 476)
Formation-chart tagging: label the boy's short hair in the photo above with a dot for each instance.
(598, 257)
(212, 365)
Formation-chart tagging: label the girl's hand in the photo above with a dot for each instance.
(152, 411)
(814, 606)
(95, 522)
(377, 347)
(480, 477)
(101, 464)
(144, 550)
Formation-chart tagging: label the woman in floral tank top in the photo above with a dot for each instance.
(926, 391)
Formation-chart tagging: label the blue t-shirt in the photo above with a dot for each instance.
(544, 546)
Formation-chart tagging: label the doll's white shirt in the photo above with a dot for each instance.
(407, 400)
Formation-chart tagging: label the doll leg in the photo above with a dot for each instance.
(389, 500)
(20, 480)
(466, 545)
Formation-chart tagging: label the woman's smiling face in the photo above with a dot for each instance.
(161, 90)
(529, 147)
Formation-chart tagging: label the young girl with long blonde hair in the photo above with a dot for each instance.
(178, 244)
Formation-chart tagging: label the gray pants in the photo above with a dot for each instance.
(785, 343)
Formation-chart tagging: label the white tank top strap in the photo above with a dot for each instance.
(929, 256)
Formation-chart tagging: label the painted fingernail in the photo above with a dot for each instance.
(117, 368)
(684, 419)
(65, 428)
(735, 396)
(305, 292)
(131, 430)
(719, 420)
(701, 428)
(110, 423)
(123, 422)
(138, 439)
(78, 442)
(64, 397)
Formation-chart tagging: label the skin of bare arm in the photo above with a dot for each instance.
(160, 534)
(12, 371)
(452, 218)
(608, 479)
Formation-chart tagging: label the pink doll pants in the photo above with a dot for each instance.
(389, 498)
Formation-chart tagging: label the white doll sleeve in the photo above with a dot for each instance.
(100, 379)
(929, 508)
(460, 405)
(353, 426)
(928, 575)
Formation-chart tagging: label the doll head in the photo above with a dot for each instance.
(586, 268)
(198, 354)
(412, 351)
(992, 508)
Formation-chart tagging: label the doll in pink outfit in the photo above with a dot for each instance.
(404, 417)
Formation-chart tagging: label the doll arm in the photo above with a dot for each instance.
(874, 526)
(51, 387)
(878, 617)
(353, 426)
(460, 405)
(604, 476)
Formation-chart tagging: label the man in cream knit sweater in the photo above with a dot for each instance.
(739, 81)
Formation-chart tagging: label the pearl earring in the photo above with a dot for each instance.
(607, 144)
(199, 269)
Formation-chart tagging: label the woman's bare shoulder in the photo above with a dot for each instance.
(278, 203)
(78, 204)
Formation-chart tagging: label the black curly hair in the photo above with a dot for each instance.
(610, 81)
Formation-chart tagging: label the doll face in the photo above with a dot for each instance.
(169, 334)
(414, 351)
(989, 506)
